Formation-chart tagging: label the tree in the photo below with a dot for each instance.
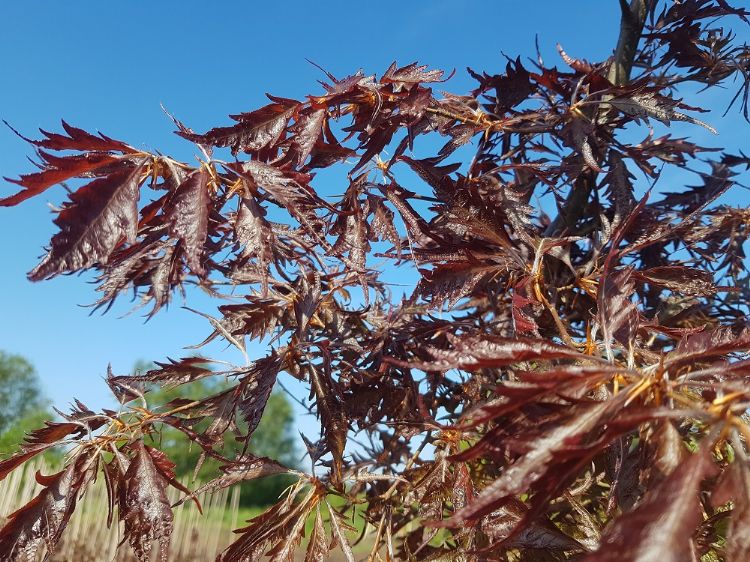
(23, 406)
(20, 393)
(11, 440)
(582, 393)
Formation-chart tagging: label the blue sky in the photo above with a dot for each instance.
(108, 65)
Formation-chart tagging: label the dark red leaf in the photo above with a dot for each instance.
(709, 343)
(546, 452)
(618, 314)
(242, 469)
(307, 130)
(738, 535)
(661, 526)
(481, 351)
(318, 547)
(64, 169)
(290, 191)
(408, 76)
(188, 217)
(78, 139)
(685, 280)
(501, 523)
(248, 398)
(144, 505)
(277, 531)
(41, 521)
(99, 216)
(174, 373)
(255, 131)
(449, 283)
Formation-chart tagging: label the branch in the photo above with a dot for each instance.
(631, 26)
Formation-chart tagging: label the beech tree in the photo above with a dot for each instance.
(559, 387)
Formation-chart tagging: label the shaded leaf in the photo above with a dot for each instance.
(501, 523)
(544, 454)
(660, 527)
(618, 314)
(738, 534)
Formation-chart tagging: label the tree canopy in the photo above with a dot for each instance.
(20, 391)
(567, 380)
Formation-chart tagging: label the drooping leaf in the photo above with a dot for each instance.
(247, 399)
(290, 191)
(188, 217)
(353, 234)
(738, 534)
(318, 547)
(256, 235)
(276, 531)
(340, 539)
(618, 314)
(99, 216)
(307, 130)
(144, 506)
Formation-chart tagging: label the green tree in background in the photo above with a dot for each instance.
(23, 407)
(274, 438)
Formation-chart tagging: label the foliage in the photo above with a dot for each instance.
(20, 392)
(533, 397)
(23, 407)
(272, 438)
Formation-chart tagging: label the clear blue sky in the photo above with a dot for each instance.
(108, 65)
